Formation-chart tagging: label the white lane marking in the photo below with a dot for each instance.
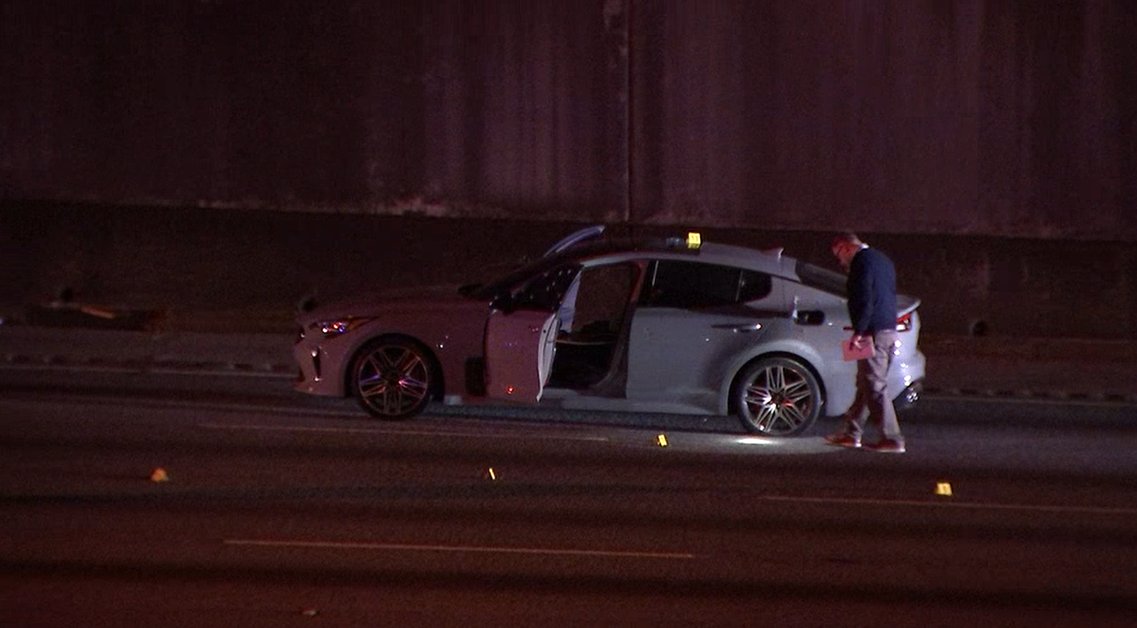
(251, 371)
(1040, 401)
(533, 551)
(849, 501)
(224, 373)
(361, 430)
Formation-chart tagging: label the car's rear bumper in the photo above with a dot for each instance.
(906, 379)
(909, 396)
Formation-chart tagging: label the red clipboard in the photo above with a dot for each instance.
(851, 354)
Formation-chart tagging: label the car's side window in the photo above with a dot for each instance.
(753, 285)
(694, 285)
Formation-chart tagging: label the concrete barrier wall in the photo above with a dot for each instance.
(976, 117)
(330, 146)
(267, 262)
(897, 116)
(497, 109)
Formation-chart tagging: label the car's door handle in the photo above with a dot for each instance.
(739, 328)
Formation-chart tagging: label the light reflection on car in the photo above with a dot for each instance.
(670, 325)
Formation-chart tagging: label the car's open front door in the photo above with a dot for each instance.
(520, 347)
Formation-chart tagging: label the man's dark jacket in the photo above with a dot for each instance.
(872, 292)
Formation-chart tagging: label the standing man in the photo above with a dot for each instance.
(872, 309)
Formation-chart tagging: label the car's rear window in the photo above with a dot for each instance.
(821, 278)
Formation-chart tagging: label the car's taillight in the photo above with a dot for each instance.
(904, 323)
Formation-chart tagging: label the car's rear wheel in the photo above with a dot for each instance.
(777, 396)
(392, 378)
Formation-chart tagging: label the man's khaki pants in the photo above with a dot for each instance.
(873, 403)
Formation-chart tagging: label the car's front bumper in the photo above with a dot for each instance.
(317, 375)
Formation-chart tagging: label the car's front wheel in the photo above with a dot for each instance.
(777, 396)
(392, 378)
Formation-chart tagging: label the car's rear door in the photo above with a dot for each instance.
(693, 318)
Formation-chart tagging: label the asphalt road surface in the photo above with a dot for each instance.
(285, 511)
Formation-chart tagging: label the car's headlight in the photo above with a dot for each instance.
(333, 328)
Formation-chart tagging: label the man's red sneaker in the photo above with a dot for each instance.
(887, 446)
(841, 439)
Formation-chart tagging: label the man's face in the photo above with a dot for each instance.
(844, 252)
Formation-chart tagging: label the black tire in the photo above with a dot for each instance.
(392, 378)
(777, 396)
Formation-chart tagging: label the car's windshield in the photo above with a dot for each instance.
(491, 275)
(508, 282)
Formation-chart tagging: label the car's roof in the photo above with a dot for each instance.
(772, 261)
(607, 249)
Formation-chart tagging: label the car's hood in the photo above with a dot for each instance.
(432, 298)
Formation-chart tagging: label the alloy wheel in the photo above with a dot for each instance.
(392, 379)
(778, 397)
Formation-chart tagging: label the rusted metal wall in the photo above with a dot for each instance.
(986, 117)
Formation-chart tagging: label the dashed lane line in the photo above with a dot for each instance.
(378, 431)
(480, 549)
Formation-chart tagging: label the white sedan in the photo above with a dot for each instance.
(672, 325)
